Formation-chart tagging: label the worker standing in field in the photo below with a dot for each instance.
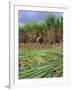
(39, 39)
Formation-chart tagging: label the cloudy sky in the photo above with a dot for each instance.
(30, 16)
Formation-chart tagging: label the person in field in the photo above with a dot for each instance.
(39, 39)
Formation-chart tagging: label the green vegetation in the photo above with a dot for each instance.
(40, 48)
(50, 22)
(42, 63)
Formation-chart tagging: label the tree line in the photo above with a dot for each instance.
(50, 30)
